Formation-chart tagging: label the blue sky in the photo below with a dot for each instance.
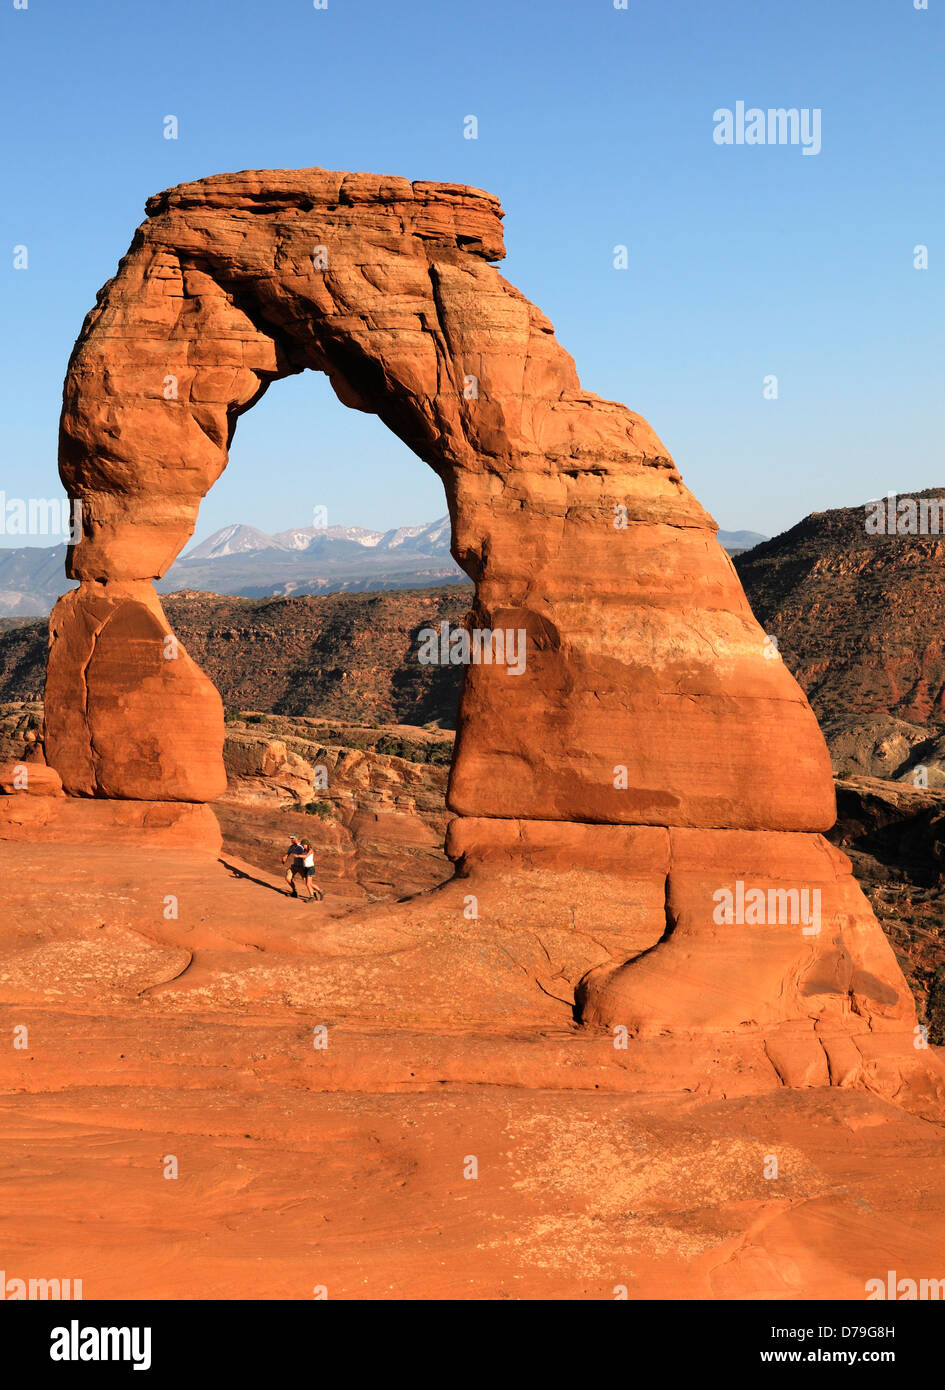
(595, 129)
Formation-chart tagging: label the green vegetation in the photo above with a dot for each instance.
(414, 752)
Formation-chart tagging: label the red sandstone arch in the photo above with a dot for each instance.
(642, 653)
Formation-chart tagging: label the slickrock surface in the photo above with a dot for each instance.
(33, 778)
(348, 1166)
(68, 820)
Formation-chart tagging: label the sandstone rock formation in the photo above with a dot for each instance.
(263, 772)
(33, 778)
(223, 291)
(126, 700)
(654, 730)
(69, 820)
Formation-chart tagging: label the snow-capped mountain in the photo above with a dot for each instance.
(232, 540)
(241, 559)
(432, 538)
(302, 537)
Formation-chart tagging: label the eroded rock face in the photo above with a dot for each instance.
(129, 715)
(32, 778)
(263, 772)
(654, 736)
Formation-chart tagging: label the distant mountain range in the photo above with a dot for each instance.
(432, 539)
(737, 541)
(241, 560)
(31, 579)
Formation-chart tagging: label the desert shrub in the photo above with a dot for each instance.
(322, 809)
(936, 1007)
(396, 747)
(393, 747)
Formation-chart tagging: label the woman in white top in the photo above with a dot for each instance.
(305, 868)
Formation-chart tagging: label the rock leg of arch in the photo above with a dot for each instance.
(652, 721)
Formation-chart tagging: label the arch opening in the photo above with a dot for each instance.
(300, 458)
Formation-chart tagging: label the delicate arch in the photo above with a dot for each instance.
(642, 650)
(651, 739)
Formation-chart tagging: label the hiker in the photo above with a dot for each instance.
(293, 859)
(306, 869)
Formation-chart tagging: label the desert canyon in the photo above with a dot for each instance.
(515, 1052)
